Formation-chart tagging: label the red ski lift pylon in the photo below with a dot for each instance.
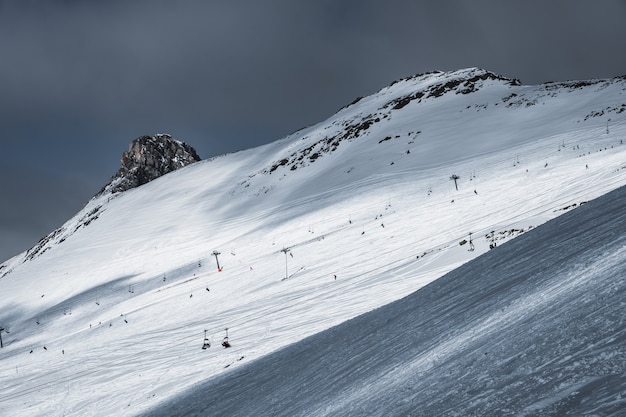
(215, 253)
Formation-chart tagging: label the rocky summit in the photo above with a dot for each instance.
(148, 158)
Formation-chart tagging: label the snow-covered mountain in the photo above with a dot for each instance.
(108, 315)
(533, 328)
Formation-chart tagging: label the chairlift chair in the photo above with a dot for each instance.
(206, 343)
(225, 342)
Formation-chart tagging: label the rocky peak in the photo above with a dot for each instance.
(150, 157)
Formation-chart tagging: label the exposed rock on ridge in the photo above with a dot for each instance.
(147, 158)
(350, 126)
(150, 157)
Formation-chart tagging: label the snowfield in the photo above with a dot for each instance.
(535, 327)
(107, 315)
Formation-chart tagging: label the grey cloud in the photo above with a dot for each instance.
(43, 204)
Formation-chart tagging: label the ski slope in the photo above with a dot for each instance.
(535, 327)
(107, 315)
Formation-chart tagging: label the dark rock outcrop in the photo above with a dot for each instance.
(150, 157)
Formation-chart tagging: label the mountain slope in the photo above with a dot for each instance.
(535, 327)
(356, 212)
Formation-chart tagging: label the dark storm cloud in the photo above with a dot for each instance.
(272, 65)
(80, 79)
(45, 203)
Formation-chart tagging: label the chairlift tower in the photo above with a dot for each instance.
(471, 244)
(215, 253)
(455, 178)
(286, 251)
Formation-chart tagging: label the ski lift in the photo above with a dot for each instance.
(206, 343)
(225, 342)
(215, 253)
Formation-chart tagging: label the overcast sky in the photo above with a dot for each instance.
(79, 80)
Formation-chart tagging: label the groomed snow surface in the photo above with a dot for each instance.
(534, 327)
(108, 316)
